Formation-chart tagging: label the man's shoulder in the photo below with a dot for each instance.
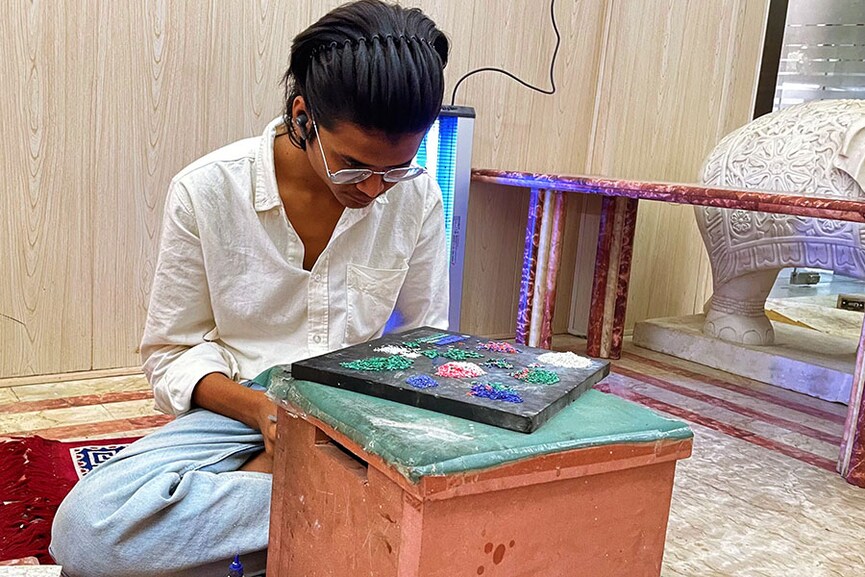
(232, 157)
(422, 191)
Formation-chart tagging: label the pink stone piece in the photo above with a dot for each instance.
(851, 463)
(460, 370)
(558, 203)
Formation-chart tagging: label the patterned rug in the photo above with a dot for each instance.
(35, 476)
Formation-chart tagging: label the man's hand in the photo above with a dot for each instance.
(216, 392)
(267, 423)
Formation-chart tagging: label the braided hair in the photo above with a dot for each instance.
(375, 65)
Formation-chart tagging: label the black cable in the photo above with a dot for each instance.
(509, 75)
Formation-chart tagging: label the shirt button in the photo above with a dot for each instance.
(317, 277)
(316, 339)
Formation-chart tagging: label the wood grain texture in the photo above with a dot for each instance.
(675, 80)
(517, 126)
(491, 280)
(46, 169)
(103, 101)
(180, 80)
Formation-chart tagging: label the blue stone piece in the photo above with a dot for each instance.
(450, 339)
(421, 381)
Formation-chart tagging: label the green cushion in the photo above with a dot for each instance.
(418, 442)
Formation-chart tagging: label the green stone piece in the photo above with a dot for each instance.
(537, 376)
(430, 353)
(499, 363)
(393, 363)
(432, 338)
(497, 386)
(411, 344)
(460, 354)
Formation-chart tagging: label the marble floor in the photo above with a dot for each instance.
(758, 498)
(814, 306)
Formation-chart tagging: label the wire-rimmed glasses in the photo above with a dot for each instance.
(355, 175)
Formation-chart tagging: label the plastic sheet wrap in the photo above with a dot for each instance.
(419, 443)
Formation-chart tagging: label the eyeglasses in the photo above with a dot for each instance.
(355, 175)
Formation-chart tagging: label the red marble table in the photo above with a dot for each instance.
(544, 232)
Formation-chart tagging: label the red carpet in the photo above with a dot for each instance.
(35, 476)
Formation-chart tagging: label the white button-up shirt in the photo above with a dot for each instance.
(230, 294)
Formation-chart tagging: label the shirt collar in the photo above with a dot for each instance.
(266, 195)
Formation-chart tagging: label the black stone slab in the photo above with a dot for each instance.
(451, 396)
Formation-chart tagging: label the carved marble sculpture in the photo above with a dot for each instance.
(818, 149)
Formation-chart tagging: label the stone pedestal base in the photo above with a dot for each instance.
(801, 359)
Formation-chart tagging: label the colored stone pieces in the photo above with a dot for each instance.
(460, 354)
(498, 347)
(496, 392)
(498, 363)
(511, 390)
(536, 376)
(421, 381)
(392, 363)
(459, 370)
(568, 360)
(450, 339)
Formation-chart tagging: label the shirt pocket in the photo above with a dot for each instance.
(371, 295)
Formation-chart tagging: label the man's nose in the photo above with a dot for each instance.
(372, 186)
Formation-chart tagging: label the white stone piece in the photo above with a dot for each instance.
(801, 360)
(397, 350)
(816, 148)
(567, 360)
(30, 571)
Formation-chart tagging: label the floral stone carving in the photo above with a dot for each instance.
(816, 148)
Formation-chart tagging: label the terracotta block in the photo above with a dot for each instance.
(339, 510)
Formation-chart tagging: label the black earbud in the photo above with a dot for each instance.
(301, 121)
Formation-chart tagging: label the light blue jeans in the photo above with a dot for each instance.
(171, 504)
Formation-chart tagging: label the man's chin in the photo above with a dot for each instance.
(350, 202)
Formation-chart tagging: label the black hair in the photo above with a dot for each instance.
(376, 65)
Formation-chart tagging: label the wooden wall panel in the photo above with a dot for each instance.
(177, 81)
(46, 167)
(104, 100)
(568, 276)
(675, 79)
(517, 127)
(491, 283)
(494, 250)
(520, 127)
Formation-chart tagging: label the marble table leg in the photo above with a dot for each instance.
(557, 203)
(541, 258)
(530, 258)
(612, 273)
(851, 463)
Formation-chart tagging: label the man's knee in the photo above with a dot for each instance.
(85, 534)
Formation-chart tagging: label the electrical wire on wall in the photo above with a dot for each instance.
(551, 90)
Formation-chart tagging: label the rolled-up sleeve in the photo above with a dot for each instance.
(177, 348)
(424, 297)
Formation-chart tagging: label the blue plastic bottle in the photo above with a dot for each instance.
(236, 567)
